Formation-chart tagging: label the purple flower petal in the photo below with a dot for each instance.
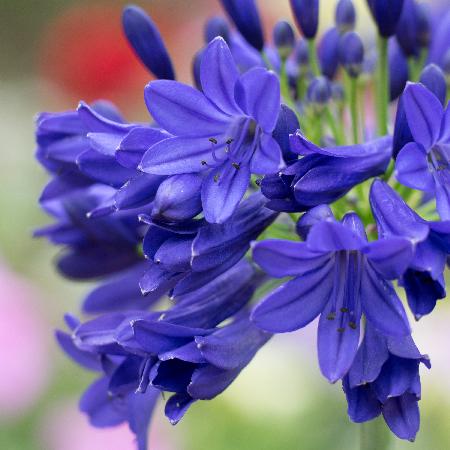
(296, 303)
(267, 157)
(258, 94)
(223, 190)
(411, 168)
(280, 258)
(381, 305)
(177, 406)
(402, 416)
(182, 110)
(424, 114)
(182, 155)
(219, 74)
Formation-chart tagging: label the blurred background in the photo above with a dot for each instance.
(52, 54)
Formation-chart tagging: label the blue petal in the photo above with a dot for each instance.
(258, 94)
(209, 381)
(402, 416)
(219, 74)
(182, 110)
(424, 113)
(296, 303)
(105, 143)
(177, 406)
(223, 190)
(382, 306)
(363, 404)
(182, 155)
(95, 123)
(267, 157)
(281, 258)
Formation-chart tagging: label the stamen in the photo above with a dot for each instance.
(331, 316)
(236, 165)
(352, 325)
(344, 310)
(216, 177)
(213, 140)
(341, 330)
(204, 163)
(229, 141)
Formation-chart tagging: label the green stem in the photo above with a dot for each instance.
(301, 87)
(334, 127)
(313, 57)
(374, 435)
(382, 94)
(354, 108)
(362, 107)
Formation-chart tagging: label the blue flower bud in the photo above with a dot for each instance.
(433, 78)
(423, 25)
(178, 198)
(306, 14)
(337, 92)
(386, 14)
(216, 26)
(245, 16)
(345, 16)
(328, 53)
(283, 38)
(406, 33)
(319, 92)
(146, 41)
(398, 70)
(351, 53)
(301, 54)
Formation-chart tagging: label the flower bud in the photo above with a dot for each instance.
(245, 16)
(178, 198)
(386, 14)
(351, 53)
(319, 92)
(196, 63)
(283, 38)
(406, 33)
(301, 54)
(306, 14)
(423, 25)
(146, 41)
(337, 93)
(345, 16)
(433, 78)
(328, 53)
(398, 70)
(216, 26)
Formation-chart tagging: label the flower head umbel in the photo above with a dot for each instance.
(424, 164)
(339, 276)
(163, 214)
(224, 132)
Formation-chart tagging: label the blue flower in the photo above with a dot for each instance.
(424, 163)
(226, 130)
(337, 275)
(306, 14)
(384, 379)
(424, 280)
(324, 174)
(386, 14)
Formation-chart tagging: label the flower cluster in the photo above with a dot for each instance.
(246, 179)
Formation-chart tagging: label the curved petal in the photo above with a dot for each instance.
(411, 168)
(296, 303)
(424, 113)
(258, 94)
(218, 75)
(267, 158)
(381, 305)
(402, 416)
(223, 190)
(444, 136)
(281, 258)
(390, 257)
(182, 110)
(180, 155)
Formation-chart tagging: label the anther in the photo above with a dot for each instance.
(344, 310)
(352, 325)
(216, 177)
(331, 316)
(213, 140)
(229, 141)
(341, 330)
(236, 165)
(204, 163)
(258, 181)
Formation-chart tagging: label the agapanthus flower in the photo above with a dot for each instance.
(424, 163)
(339, 276)
(384, 379)
(424, 280)
(324, 174)
(226, 130)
